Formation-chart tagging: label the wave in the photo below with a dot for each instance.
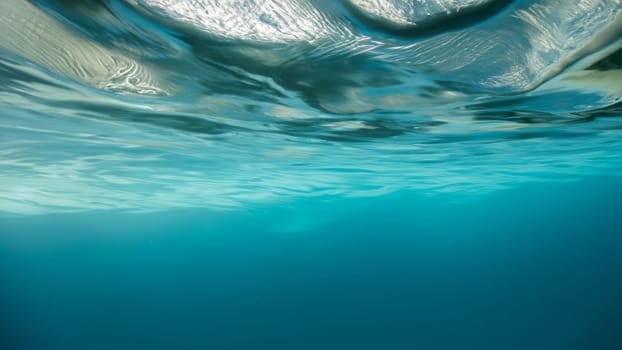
(149, 104)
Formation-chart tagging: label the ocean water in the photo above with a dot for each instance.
(354, 174)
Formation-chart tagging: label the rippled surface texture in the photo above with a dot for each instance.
(154, 104)
(310, 175)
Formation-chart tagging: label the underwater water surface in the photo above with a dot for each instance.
(353, 174)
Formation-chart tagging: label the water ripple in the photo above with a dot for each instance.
(152, 104)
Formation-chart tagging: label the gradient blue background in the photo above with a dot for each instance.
(534, 267)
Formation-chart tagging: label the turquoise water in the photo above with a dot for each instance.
(356, 174)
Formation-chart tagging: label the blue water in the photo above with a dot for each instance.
(355, 174)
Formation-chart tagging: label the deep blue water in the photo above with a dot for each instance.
(537, 267)
(355, 174)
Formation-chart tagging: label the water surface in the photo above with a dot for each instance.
(154, 104)
(355, 174)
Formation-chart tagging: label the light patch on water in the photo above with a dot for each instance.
(410, 13)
